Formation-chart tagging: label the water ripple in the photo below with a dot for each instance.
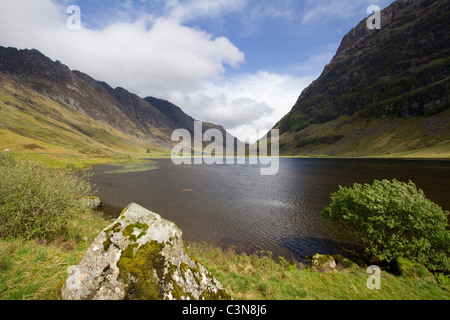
(236, 206)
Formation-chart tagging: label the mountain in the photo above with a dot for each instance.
(45, 106)
(385, 92)
(182, 120)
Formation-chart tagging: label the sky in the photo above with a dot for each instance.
(241, 64)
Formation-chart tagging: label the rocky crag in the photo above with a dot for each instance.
(384, 92)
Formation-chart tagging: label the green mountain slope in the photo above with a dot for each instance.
(384, 93)
(47, 108)
(32, 122)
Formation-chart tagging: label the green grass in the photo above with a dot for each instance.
(414, 137)
(35, 270)
(259, 277)
(38, 127)
(32, 270)
(135, 167)
(139, 161)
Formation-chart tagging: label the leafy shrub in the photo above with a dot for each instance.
(37, 201)
(392, 219)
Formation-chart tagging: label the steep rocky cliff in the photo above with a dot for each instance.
(380, 83)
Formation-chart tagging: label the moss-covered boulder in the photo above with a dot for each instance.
(322, 262)
(91, 202)
(140, 257)
(343, 262)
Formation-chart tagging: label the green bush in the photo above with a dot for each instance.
(37, 201)
(393, 219)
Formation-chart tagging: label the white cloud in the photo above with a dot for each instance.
(245, 103)
(163, 58)
(143, 59)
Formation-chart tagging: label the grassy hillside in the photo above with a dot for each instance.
(353, 136)
(47, 109)
(41, 128)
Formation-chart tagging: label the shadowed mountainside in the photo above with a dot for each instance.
(384, 93)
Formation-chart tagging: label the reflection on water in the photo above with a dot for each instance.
(233, 205)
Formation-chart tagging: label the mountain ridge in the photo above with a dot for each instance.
(117, 113)
(398, 72)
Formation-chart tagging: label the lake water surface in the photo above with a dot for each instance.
(233, 205)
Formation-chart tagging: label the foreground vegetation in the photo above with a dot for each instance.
(34, 261)
(36, 269)
(37, 201)
(259, 277)
(391, 219)
(33, 270)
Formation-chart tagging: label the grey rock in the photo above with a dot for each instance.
(140, 256)
(92, 202)
(323, 262)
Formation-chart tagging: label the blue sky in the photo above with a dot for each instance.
(238, 63)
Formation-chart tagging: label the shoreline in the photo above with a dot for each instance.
(88, 162)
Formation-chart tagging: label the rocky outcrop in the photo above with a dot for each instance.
(400, 71)
(140, 256)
